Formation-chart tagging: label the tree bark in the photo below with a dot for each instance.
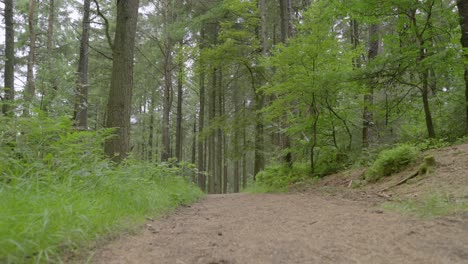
(50, 90)
(30, 89)
(167, 97)
(151, 125)
(180, 94)
(368, 117)
(463, 12)
(286, 32)
(201, 123)
(82, 84)
(9, 75)
(120, 95)
(244, 149)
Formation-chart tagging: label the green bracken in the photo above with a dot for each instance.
(392, 161)
(58, 194)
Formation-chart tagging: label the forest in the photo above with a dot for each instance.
(111, 100)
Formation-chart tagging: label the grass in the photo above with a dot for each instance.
(39, 223)
(430, 206)
(58, 193)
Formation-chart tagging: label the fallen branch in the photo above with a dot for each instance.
(411, 176)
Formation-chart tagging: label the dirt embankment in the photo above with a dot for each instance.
(290, 228)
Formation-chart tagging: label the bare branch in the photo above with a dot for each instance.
(106, 23)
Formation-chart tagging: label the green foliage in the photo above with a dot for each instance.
(430, 206)
(391, 161)
(432, 143)
(329, 160)
(59, 194)
(279, 177)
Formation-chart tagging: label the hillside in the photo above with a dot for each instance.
(448, 182)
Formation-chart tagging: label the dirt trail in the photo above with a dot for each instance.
(290, 228)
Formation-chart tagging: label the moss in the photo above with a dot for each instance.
(427, 166)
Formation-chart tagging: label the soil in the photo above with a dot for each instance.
(328, 222)
(290, 228)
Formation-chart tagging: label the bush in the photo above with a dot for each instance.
(391, 161)
(277, 178)
(329, 160)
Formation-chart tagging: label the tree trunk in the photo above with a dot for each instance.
(425, 98)
(50, 90)
(120, 95)
(30, 89)
(9, 75)
(236, 179)
(211, 140)
(201, 123)
(167, 97)
(194, 143)
(180, 93)
(368, 119)
(151, 125)
(244, 150)
(286, 32)
(82, 84)
(463, 12)
(286, 14)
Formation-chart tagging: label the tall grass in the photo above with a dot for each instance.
(58, 193)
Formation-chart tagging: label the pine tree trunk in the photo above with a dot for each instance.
(463, 12)
(167, 97)
(180, 93)
(201, 123)
(211, 140)
(368, 119)
(120, 95)
(9, 74)
(30, 89)
(49, 91)
(286, 32)
(244, 149)
(236, 178)
(82, 84)
(151, 126)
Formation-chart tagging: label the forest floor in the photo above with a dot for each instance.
(328, 222)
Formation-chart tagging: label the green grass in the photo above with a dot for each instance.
(58, 193)
(39, 223)
(430, 206)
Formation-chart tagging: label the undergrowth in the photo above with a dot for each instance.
(392, 161)
(278, 178)
(58, 193)
(429, 206)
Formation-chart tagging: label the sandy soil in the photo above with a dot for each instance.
(290, 228)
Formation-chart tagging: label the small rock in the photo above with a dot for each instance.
(220, 233)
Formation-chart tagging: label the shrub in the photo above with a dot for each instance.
(329, 160)
(391, 161)
(277, 178)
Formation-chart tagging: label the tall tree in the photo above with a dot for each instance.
(463, 12)
(286, 32)
(168, 92)
(9, 76)
(180, 97)
(120, 95)
(368, 120)
(30, 89)
(82, 84)
(201, 165)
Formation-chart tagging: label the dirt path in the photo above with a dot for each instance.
(290, 228)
